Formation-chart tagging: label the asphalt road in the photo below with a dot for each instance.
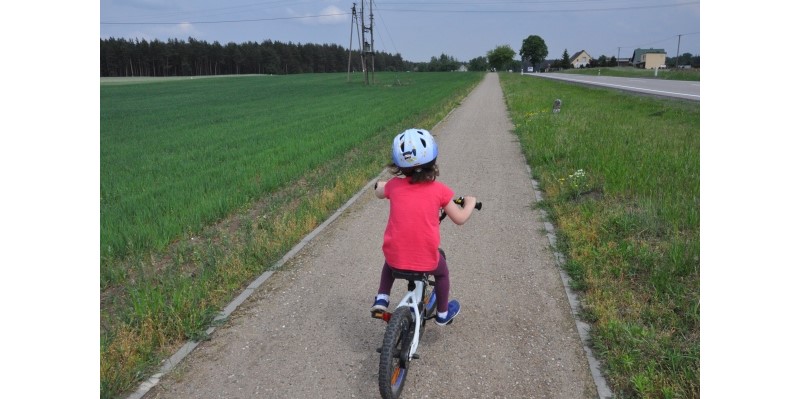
(307, 333)
(657, 87)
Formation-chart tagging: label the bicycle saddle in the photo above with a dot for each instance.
(411, 276)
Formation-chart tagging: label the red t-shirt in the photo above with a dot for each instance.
(411, 239)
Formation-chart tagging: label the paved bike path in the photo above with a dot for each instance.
(306, 332)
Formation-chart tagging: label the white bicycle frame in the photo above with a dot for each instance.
(412, 299)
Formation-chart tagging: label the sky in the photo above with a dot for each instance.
(418, 29)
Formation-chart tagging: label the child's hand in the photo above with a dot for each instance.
(460, 214)
(379, 189)
(470, 201)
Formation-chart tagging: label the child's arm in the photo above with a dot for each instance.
(460, 215)
(379, 189)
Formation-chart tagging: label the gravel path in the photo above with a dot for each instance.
(307, 332)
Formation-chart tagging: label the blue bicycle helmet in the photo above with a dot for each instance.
(414, 147)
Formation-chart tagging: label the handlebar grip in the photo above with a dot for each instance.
(460, 202)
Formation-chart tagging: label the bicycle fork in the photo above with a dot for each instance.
(412, 300)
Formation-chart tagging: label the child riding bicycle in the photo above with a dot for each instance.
(411, 239)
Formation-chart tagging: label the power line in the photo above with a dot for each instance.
(385, 25)
(222, 22)
(659, 41)
(546, 11)
(421, 11)
(214, 11)
(425, 3)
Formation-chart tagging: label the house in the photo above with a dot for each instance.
(544, 66)
(649, 58)
(581, 59)
(623, 62)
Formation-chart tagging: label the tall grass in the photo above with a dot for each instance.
(621, 176)
(205, 183)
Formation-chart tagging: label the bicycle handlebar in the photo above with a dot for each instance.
(460, 202)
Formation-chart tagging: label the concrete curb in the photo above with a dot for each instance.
(603, 391)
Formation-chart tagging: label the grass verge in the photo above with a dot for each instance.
(621, 179)
(631, 72)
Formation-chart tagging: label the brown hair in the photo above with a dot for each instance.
(418, 174)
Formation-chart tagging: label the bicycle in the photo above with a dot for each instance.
(406, 325)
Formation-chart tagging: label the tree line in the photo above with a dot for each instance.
(127, 57)
(684, 59)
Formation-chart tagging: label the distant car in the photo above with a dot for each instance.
(530, 69)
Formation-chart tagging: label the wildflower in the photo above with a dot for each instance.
(578, 182)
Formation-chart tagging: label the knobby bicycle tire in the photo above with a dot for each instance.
(394, 362)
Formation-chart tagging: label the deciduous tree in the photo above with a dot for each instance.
(533, 49)
(501, 57)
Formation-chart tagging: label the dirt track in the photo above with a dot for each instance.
(307, 333)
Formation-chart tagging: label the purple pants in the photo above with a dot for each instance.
(441, 275)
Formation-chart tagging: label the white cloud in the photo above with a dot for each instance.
(329, 15)
(336, 15)
(186, 27)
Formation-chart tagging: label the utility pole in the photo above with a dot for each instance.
(365, 48)
(677, 55)
(618, 48)
(353, 22)
(368, 46)
(372, 40)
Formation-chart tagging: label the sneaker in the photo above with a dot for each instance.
(380, 305)
(452, 311)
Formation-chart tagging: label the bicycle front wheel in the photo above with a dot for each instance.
(394, 363)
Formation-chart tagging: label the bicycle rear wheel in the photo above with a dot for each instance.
(394, 363)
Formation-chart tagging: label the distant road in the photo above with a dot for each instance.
(658, 87)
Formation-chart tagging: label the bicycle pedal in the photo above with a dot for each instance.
(381, 315)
